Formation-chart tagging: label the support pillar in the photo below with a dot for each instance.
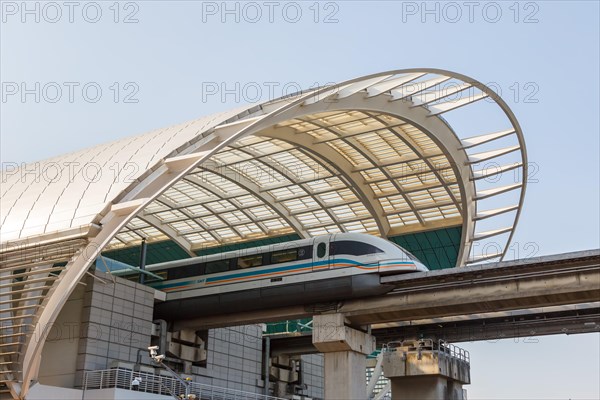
(345, 350)
(427, 370)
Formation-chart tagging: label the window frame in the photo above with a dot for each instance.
(260, 256)
(226, 264)
(284, 251)
(186, 271)
(323, 246)
(340, 247)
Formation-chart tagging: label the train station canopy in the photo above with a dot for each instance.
(430, 159)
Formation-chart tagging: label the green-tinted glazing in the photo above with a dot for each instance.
(437, 249)
(247, 245)
(168, 250)
(156, 252)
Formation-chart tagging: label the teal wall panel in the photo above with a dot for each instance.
(247, 245)
(437, 249)
(169, 251)
(157, 252)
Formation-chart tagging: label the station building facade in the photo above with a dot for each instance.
(406, 155)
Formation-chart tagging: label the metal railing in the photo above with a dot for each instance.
(454, 351)
(440, 346)
(164, 385)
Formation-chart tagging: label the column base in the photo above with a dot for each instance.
(345, 351)
(426, 388)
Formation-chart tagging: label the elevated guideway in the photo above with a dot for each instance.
(525, 324)
(546, 295)
(467, 296)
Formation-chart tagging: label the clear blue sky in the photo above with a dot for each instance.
(549, 50)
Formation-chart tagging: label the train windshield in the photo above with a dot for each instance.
(408, 253)
(352, 248)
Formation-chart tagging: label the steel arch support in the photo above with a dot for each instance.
(168, 231)
(117, 215)
(255, 190)
(139, 194)
(436, 128)
(170, 171)
(323, 152)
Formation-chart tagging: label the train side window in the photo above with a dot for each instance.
(254, 260)
(186, 271)
(305, 253)
(213, 267)
(283, 256)
(353, 248)
(321, 250)
(175, 273)
(233, 264)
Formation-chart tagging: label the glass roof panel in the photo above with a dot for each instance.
(265, 185)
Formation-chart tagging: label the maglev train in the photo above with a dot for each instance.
(317, 270)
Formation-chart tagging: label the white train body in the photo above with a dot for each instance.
(321, 269)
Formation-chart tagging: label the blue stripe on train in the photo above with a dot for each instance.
(288, 268)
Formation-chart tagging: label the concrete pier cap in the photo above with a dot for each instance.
(332, 332)
(345, 350)
(426, 369)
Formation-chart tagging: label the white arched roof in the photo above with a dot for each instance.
(69, 191)
(387, 154)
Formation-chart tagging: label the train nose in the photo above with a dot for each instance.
(396, 265)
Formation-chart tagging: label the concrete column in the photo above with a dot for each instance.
(425, 388)
(427, 370)
(345, 351)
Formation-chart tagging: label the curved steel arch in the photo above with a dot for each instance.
(155, 181)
